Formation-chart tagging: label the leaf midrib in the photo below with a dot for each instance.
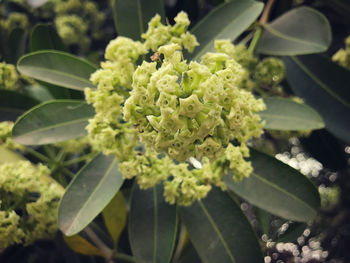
(92, 194)
(281, 35)
(54, 126)
(216, 229)
(275, 186)
(318, 81)
(59, 73)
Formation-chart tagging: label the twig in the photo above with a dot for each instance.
(105, 250)
(267, 10)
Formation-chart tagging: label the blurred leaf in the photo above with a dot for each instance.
(131, 17)
(227, 21)
(325, 87)
(219, 230)
(38, 92)
(53, 121)
(16, 45)
(58, 68)
(294, 231)
(277, 188)
(82, 246)
(152, 226)
(44, 36)
(285, 114)
(87, 195)
(302, 30)
(8, 156)
(114, 216)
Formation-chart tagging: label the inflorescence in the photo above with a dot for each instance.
(174, 110)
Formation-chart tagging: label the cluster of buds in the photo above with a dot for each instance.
(8, 77)
(342, 56)
(28, 203)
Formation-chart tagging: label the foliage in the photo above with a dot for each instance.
(171, 136)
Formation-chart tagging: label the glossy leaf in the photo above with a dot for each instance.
(80, 245)
(300, 31)
(58, 68)
(152, 226)
(44, 36)
(114, 216)
(88, 194)
(285, 114)
(131, 17)
(227, 21)
(53, 121)
(17, 44)
(219, 230)
(325, 87)
(278, 189)
(8, 156)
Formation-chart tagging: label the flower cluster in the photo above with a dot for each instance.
(176, 109)
(6, 136)
(342, 56)
(192, 110)
(77, 21)
(8, 77)
(28, 203)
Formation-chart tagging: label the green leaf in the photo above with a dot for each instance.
(131, 17)
(302, 30)
(8, 156)
(227, 21)
(58, 68)
(88, 194)
(38, 92)
(219, 230)
(53, 121)
(114, 216)
(264, 219)
(294, 231)
(44, 36)
(277, 188)
(16, 44)
(152, 225)
(285, 114)
(325, 87)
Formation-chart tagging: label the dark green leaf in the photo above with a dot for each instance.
(15, 101)
(58, 68)
(16, 44)
(131, 17)
(219, 230)
(325, 87)
(152, 225)
(300, 31)
(38, 92)
(294, 231)
(285, 114)
(89, 192)
(278, 189)
(53, 121)
(264, 219)
(44, 36)
(227, 21)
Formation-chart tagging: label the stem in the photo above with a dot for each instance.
(37, 154)
(49, 152)
(246, 39)
(105, 250)
(67, 172)
(79, 159)
(267, 10)
(255, 41)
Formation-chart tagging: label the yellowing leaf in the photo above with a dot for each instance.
(114, 216)
(82, 246)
